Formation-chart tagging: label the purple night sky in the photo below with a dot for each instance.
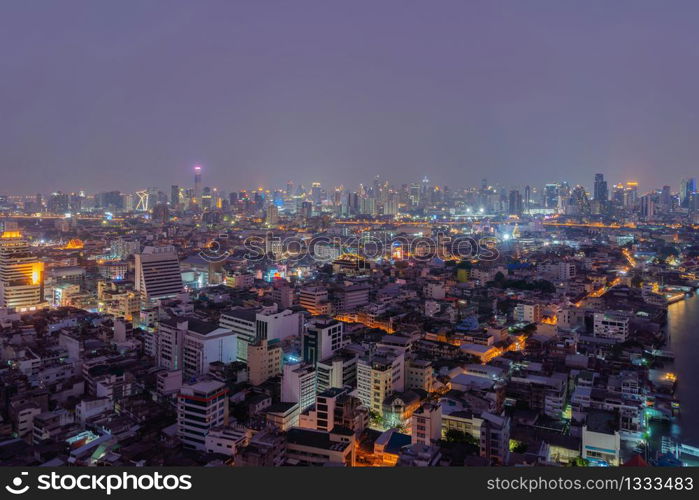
(125, 94)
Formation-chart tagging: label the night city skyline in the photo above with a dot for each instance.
(333, 235)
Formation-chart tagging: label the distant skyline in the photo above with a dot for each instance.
(129, 94)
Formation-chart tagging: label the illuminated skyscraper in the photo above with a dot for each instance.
(197, 184)
(158, 273)
(687, 188)
(316, 192)
(551, 196)
(21, 273)
(527, 199)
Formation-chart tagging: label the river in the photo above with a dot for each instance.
(683, 330)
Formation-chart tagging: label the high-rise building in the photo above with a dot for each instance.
(272, 215)
(174, 196)
(200, 407)
(316, 193)
(58, 203)
(601, 192)
(306, 210)
(631, 194)
(687, 188)
(379, 375)
(158, 273)
(426, 424)
(283, 294)
(251, 325)
(264, 361)
(299, 385)
(527, 199)
(21, 273)
(322, 338)
(551, 196)
(197, 185)
(189, 344)
(647, 207)
(515, 205)
(314, 299)
(666, 198)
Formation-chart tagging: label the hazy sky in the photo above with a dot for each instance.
(125, 94)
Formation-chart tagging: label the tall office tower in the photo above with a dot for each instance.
(322, 338)
(58, 203)
(687, 188)
(527, 202)
(290, 189)
(306, 210)
(200, 407)
(414, 195)
(158, 273)
(551, 196)
(21, 273)
(206, 200)
(601, 192)
(666, 198)
(174, 196)
(631, 194)
(647, 207)
(618, 195)
(390, 207)
(316, 192)
(580, 201)
(196, 199)
(272, 218)
(515, 203)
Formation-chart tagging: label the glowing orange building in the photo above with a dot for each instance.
(21, 273)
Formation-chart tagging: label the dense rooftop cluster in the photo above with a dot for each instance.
(132, 340)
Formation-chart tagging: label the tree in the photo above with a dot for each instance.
(457, 436)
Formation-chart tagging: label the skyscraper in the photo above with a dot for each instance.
(174, 196)
(666, 198)
(527, 198)
(551, 196)
(601, 192)
(687, 188)
(21, 273)
(197, 185)
(316, 193)
(647, 207)
(272, 218)
(515, 205)
(158, 273)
